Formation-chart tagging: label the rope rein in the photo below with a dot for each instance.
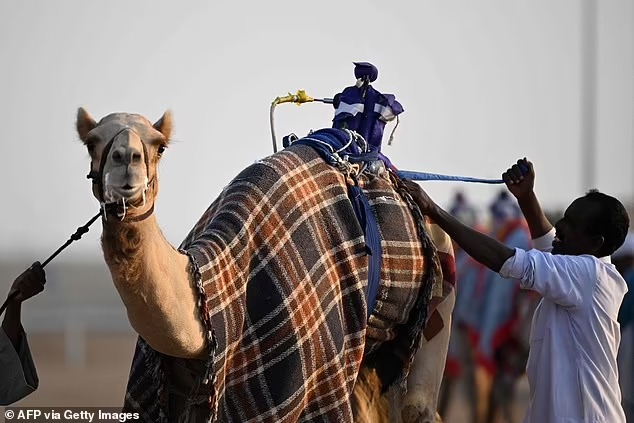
(74, 237)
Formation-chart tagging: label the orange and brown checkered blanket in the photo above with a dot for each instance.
(282, 269)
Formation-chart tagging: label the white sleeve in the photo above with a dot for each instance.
(545, 242)
(19, 376)
(566, 280)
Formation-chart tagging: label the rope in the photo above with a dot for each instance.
(74, 237)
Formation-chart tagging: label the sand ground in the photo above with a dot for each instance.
(100, 380)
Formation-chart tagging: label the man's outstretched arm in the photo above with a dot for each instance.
(484, 249)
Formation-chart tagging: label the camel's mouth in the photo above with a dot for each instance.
(133, 194)
(127, 192)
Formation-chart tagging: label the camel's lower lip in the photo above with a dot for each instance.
(125, 192)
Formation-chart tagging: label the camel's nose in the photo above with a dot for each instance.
(127, 155)
(127, 150)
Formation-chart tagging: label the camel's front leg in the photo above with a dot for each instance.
(420, 404)
(423, 384)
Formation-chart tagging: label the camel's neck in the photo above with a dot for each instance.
(153, 280)
(132, 248)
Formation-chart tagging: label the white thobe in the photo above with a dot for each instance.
(572, 369)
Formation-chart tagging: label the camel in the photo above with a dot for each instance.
(261, 313)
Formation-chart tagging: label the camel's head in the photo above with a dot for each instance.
(125, 150)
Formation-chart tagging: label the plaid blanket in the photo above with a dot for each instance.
(282, 269)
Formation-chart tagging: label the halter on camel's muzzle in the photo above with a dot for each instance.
(98, 176)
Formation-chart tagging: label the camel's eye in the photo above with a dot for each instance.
(161, 149)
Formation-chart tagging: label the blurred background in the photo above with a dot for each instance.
(482, 83)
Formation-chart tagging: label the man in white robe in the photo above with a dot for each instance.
(572, 367)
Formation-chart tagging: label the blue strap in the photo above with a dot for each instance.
(325, 142)
(423, 176)
(370, 227)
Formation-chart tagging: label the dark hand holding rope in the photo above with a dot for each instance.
(74, 237)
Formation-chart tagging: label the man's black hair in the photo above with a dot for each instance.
(611, 221)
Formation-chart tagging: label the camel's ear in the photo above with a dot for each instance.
(85, 123)
(164, 125)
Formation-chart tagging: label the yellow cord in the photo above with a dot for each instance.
(298, 98)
